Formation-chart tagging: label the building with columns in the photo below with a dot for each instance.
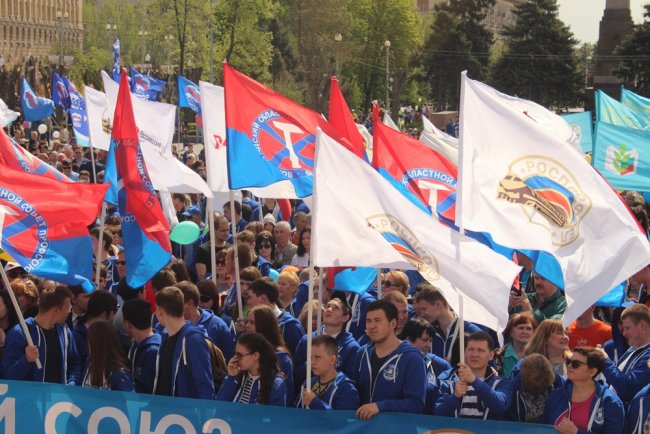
(33, 28)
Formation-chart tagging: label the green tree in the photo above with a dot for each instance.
(635, 51)
(539, 62)
(86, 67)
(458, 41)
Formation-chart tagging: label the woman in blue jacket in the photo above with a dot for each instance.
(584, 405)
(106, 367)
(253, 374)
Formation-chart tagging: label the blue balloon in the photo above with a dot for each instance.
(273, 274)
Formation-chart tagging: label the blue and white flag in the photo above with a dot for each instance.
(613, 112)
(638, 103)
(144, 86)
(582, 126)
(622, 156)
(35, 107)
(188, 94)
(115, 72)
(7, 116)
(60, 95)
(78, 114)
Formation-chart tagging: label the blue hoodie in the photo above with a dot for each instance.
(231, 391)
(634, 376)
(300, 300)
(16, 367)
(291, 330)
(286, 366)
(435, 367)
(400, 384)
(218, 332)
(119, 380)
(143, 357)
(606, 411)
(637, 412)
(446, 345)
(345, 358)
(358, 308)
(493, 391)
(340, 395)
(80, 335)
(191, 364)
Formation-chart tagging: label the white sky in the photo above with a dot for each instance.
(583, 16)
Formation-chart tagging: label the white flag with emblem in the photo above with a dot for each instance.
(360, 219)
(529, 190)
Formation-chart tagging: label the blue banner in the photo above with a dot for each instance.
(582, 125)
(145, 86)
(60, 95)
(115, 72)
(35, 107)
(638, 103)
(189, 95)
(53, 408)
(622, 156)
(613, 112)
(78, 114)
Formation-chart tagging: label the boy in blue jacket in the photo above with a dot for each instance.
(331, 390)
(474, 390)
(53, 344)
(144, 349)
(390, 374)
(183, 363)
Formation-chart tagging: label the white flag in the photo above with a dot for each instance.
(439, 140)
(155, 122)
(360, 219)
(529, 190)
(214, 143)
(389, 121)
(99, 119)
(6, 115)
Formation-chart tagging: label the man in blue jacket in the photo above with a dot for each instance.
(331, 390)
(183, 363)
(390, 374)
(637, 418)
(474, 390)
(144, 349)
(215, 327)
(53, 344)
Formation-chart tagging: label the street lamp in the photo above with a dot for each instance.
(169, 38)
(212, 2)
(338, 38)
(61, 18)
(387, 46)
(143, 34)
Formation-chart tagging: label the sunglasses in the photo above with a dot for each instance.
(221, 262)
(388, 284)
(265, 246)
(575, 364)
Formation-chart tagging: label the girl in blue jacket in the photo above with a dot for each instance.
(253, 374)
(584, 404)
(106, 362)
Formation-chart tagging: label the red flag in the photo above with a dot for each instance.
(16, 157)
(341, 119)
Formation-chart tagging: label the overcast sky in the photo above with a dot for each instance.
(583, 16)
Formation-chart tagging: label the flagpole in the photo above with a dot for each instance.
(100, 242)
(319, 314)
(310, 315)
(213, 242)
(19, 313)
(92, 161)
(261, 213)
(240, 305)
(378, 283)
(461, 329)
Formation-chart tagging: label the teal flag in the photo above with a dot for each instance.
(613, 112)
(638, 103)
(581, 124)
(622, 156)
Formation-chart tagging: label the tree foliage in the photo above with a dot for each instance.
(539, 62)
(635, 66)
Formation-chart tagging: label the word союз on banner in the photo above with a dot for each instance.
(27, 407)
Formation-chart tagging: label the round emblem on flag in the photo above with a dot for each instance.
(549, 194)
(31, 100)
(284, 144)
(23, 231)
(193, 97)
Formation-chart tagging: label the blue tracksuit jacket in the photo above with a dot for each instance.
(340, 395)
(637, 412)
(218, 332)
(231, 391)
(635, 375)
(142, 359)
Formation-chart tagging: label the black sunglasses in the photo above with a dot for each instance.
(575, 364)
(221, 262)
(266, 246)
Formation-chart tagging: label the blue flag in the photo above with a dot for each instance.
(622, 156)
(188, 95)
(638, 103)
(110, 176)
(78, 114)
(582, 125)
(144, 86)
(357, 280)
(115, 73)
(35, 107)
(613, 112)
(60, 95)
(614, 298)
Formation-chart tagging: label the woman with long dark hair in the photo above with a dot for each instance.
(253, 374)
(265, 245)
(301, 258)
(106, 368)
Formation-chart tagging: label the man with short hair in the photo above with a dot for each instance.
(432, 306)
(265, 291)
(632, 372)
(240, 223)
(102, 305)
(587, 331)
(53, 344)
(215, 327)
(285, 250)
(390, 374)
(183, 365)
(547, 302)
(335, 316)
(331, 390)
(79, 305)
(203, 258)
(66, 169)
(144, 349)
(475, 391)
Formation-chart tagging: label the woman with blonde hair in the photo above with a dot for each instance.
(552, 341)
(287, 288)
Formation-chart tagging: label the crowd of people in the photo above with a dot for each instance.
(396, 350)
